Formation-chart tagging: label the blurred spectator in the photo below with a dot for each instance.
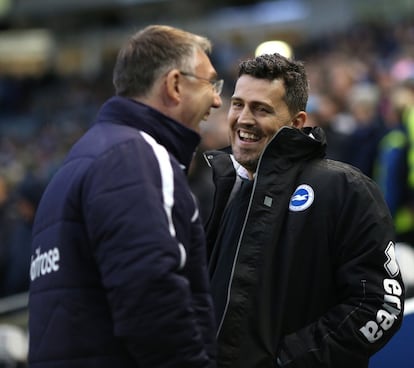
(323, 110)
(364, 140)
(391, 164)
(4, 227)
(405, 216)
(17, 254)
(214, 135)
(393, 171)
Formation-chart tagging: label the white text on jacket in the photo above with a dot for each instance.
(44, 263)
(385, 318)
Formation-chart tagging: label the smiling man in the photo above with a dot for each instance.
(301, 248)
(118, 266)
(258, 100)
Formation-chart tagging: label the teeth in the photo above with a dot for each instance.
(248, 136)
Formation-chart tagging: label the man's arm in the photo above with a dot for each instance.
(141, 264)
(370, 290)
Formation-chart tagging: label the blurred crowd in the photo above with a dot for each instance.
(361, 93)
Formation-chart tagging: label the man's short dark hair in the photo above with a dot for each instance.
(291, 72)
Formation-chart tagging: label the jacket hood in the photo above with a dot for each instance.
(289, 144)
(179, 140)
(294, 143)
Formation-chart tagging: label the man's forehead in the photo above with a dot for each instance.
(253, 89)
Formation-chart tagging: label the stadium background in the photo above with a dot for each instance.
(56, 59)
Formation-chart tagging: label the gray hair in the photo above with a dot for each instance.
(152, 52)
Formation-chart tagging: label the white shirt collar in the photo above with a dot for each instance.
(241, 171)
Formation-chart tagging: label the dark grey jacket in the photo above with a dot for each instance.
(314, 282)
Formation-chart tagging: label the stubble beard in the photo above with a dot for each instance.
(248, 161)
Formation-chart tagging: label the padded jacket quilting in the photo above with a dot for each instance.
(314, 281)
(118, 274)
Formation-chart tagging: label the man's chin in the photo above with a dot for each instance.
(248, 163)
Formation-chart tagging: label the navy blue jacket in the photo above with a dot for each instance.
(118, 265)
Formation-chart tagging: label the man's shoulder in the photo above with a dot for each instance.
(336, 174)
(334, 167)
(102, 136)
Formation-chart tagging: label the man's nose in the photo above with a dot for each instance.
(246, 116)
(217, 102)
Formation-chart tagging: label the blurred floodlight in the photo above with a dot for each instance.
(270, 47)
(25, 52)
(25, 44)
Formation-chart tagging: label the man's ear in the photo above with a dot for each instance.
(173, 86)
(299, 120)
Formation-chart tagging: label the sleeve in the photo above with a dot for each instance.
(140, 259)
(370, 303)
(203, 304)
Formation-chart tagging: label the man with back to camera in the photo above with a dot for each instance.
(301, 248)
(118, 266)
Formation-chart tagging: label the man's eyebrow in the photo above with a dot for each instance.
(254, 102)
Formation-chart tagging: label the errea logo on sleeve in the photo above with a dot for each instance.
(391, 308)
(44, 263)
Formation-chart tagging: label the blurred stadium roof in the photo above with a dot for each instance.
(60, 14)
(77, 34)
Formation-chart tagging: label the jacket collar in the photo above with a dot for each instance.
(179, 140)
(296, 144)
(288, 143)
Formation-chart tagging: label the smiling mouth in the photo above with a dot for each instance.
(248, 137)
